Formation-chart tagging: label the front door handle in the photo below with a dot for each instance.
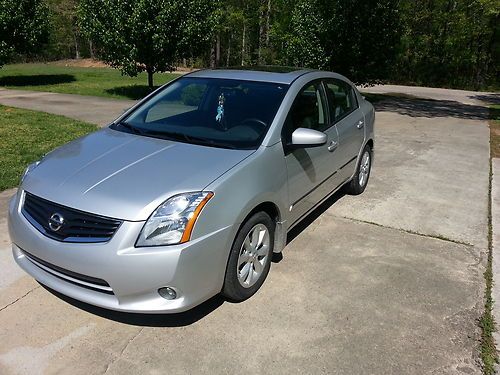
(360, 124)
(332, 146)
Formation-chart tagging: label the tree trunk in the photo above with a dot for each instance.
(212, 57)
(262, 32)
(91, 49)
(77, 47)
(228, 57)
(268, 22)
(217, 51)
(264, 25)
(150, 77)
(243, 44)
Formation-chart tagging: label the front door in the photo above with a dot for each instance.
(311, 170)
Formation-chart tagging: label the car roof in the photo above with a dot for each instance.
(283, 75)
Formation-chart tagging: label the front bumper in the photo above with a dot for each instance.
(195, 269)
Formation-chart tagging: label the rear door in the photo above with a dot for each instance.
(311, 170)
(349, 122)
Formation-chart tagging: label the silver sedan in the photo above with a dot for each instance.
(191, 191)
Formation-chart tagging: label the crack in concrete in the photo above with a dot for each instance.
(435, 237)
(123, 350)
(18, 299)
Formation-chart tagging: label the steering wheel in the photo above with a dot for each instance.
(255, 121)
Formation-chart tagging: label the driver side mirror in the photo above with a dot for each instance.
(303, 137)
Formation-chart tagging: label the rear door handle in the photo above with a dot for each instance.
(332, 146)
(360, 124)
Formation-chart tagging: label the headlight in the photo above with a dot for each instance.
(173, 221)
(29, 169)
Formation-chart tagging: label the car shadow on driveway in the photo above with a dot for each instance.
(146, 320)
(313, 215)
(430, 108)
(198, 312)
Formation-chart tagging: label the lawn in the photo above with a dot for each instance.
(25, 136)
(495, 131)
(106, 82)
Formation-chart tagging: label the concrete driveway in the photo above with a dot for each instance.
(96, 110)
(390, 282)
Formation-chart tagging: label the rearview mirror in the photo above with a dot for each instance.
(304, 137)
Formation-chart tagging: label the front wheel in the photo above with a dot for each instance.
(358, 183)
(250, 258)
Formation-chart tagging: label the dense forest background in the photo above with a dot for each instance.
(448, 43)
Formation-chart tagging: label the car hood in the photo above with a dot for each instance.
(126, 176)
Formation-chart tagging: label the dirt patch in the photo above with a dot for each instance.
(81, 63)
(93, 63)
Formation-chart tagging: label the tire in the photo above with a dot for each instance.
(358, 183)
(254, 244)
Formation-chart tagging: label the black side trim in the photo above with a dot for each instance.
(316, 205)
(313, 189)
(342, 167)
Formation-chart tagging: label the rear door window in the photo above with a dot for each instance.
(341, 99)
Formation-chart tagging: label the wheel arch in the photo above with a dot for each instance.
(370, 143)
(274, 211)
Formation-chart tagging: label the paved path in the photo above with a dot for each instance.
(100, 111)
(365, 285)
(460, 96)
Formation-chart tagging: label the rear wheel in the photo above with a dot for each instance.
(250, 258)
(358, 183)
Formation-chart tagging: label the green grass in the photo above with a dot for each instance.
(489, 353)
(25, 136)
(495, 130)
(105, 82)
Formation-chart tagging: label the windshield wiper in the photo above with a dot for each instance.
(130, 127)
(188, 138)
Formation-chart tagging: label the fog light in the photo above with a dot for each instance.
(167, 293)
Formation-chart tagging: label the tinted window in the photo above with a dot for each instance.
(214, 112)
(341, 99)
(308, 110)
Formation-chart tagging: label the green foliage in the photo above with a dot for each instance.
(25, 136)
(65, 40)
(450, 42)
(343, 35)
(147, 35)
(304, 46)
(23, 27)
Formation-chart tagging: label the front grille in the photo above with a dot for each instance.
(77, 226)
(84, 281)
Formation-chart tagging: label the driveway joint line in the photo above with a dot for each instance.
(435, 237)
(18, 299)
(123, 350)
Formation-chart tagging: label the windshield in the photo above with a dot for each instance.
(213, 112)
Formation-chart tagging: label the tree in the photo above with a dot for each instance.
(304, 46)
(449, 42)
(147, 35)
(358, 38)
(64, 40)
(24, 27)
